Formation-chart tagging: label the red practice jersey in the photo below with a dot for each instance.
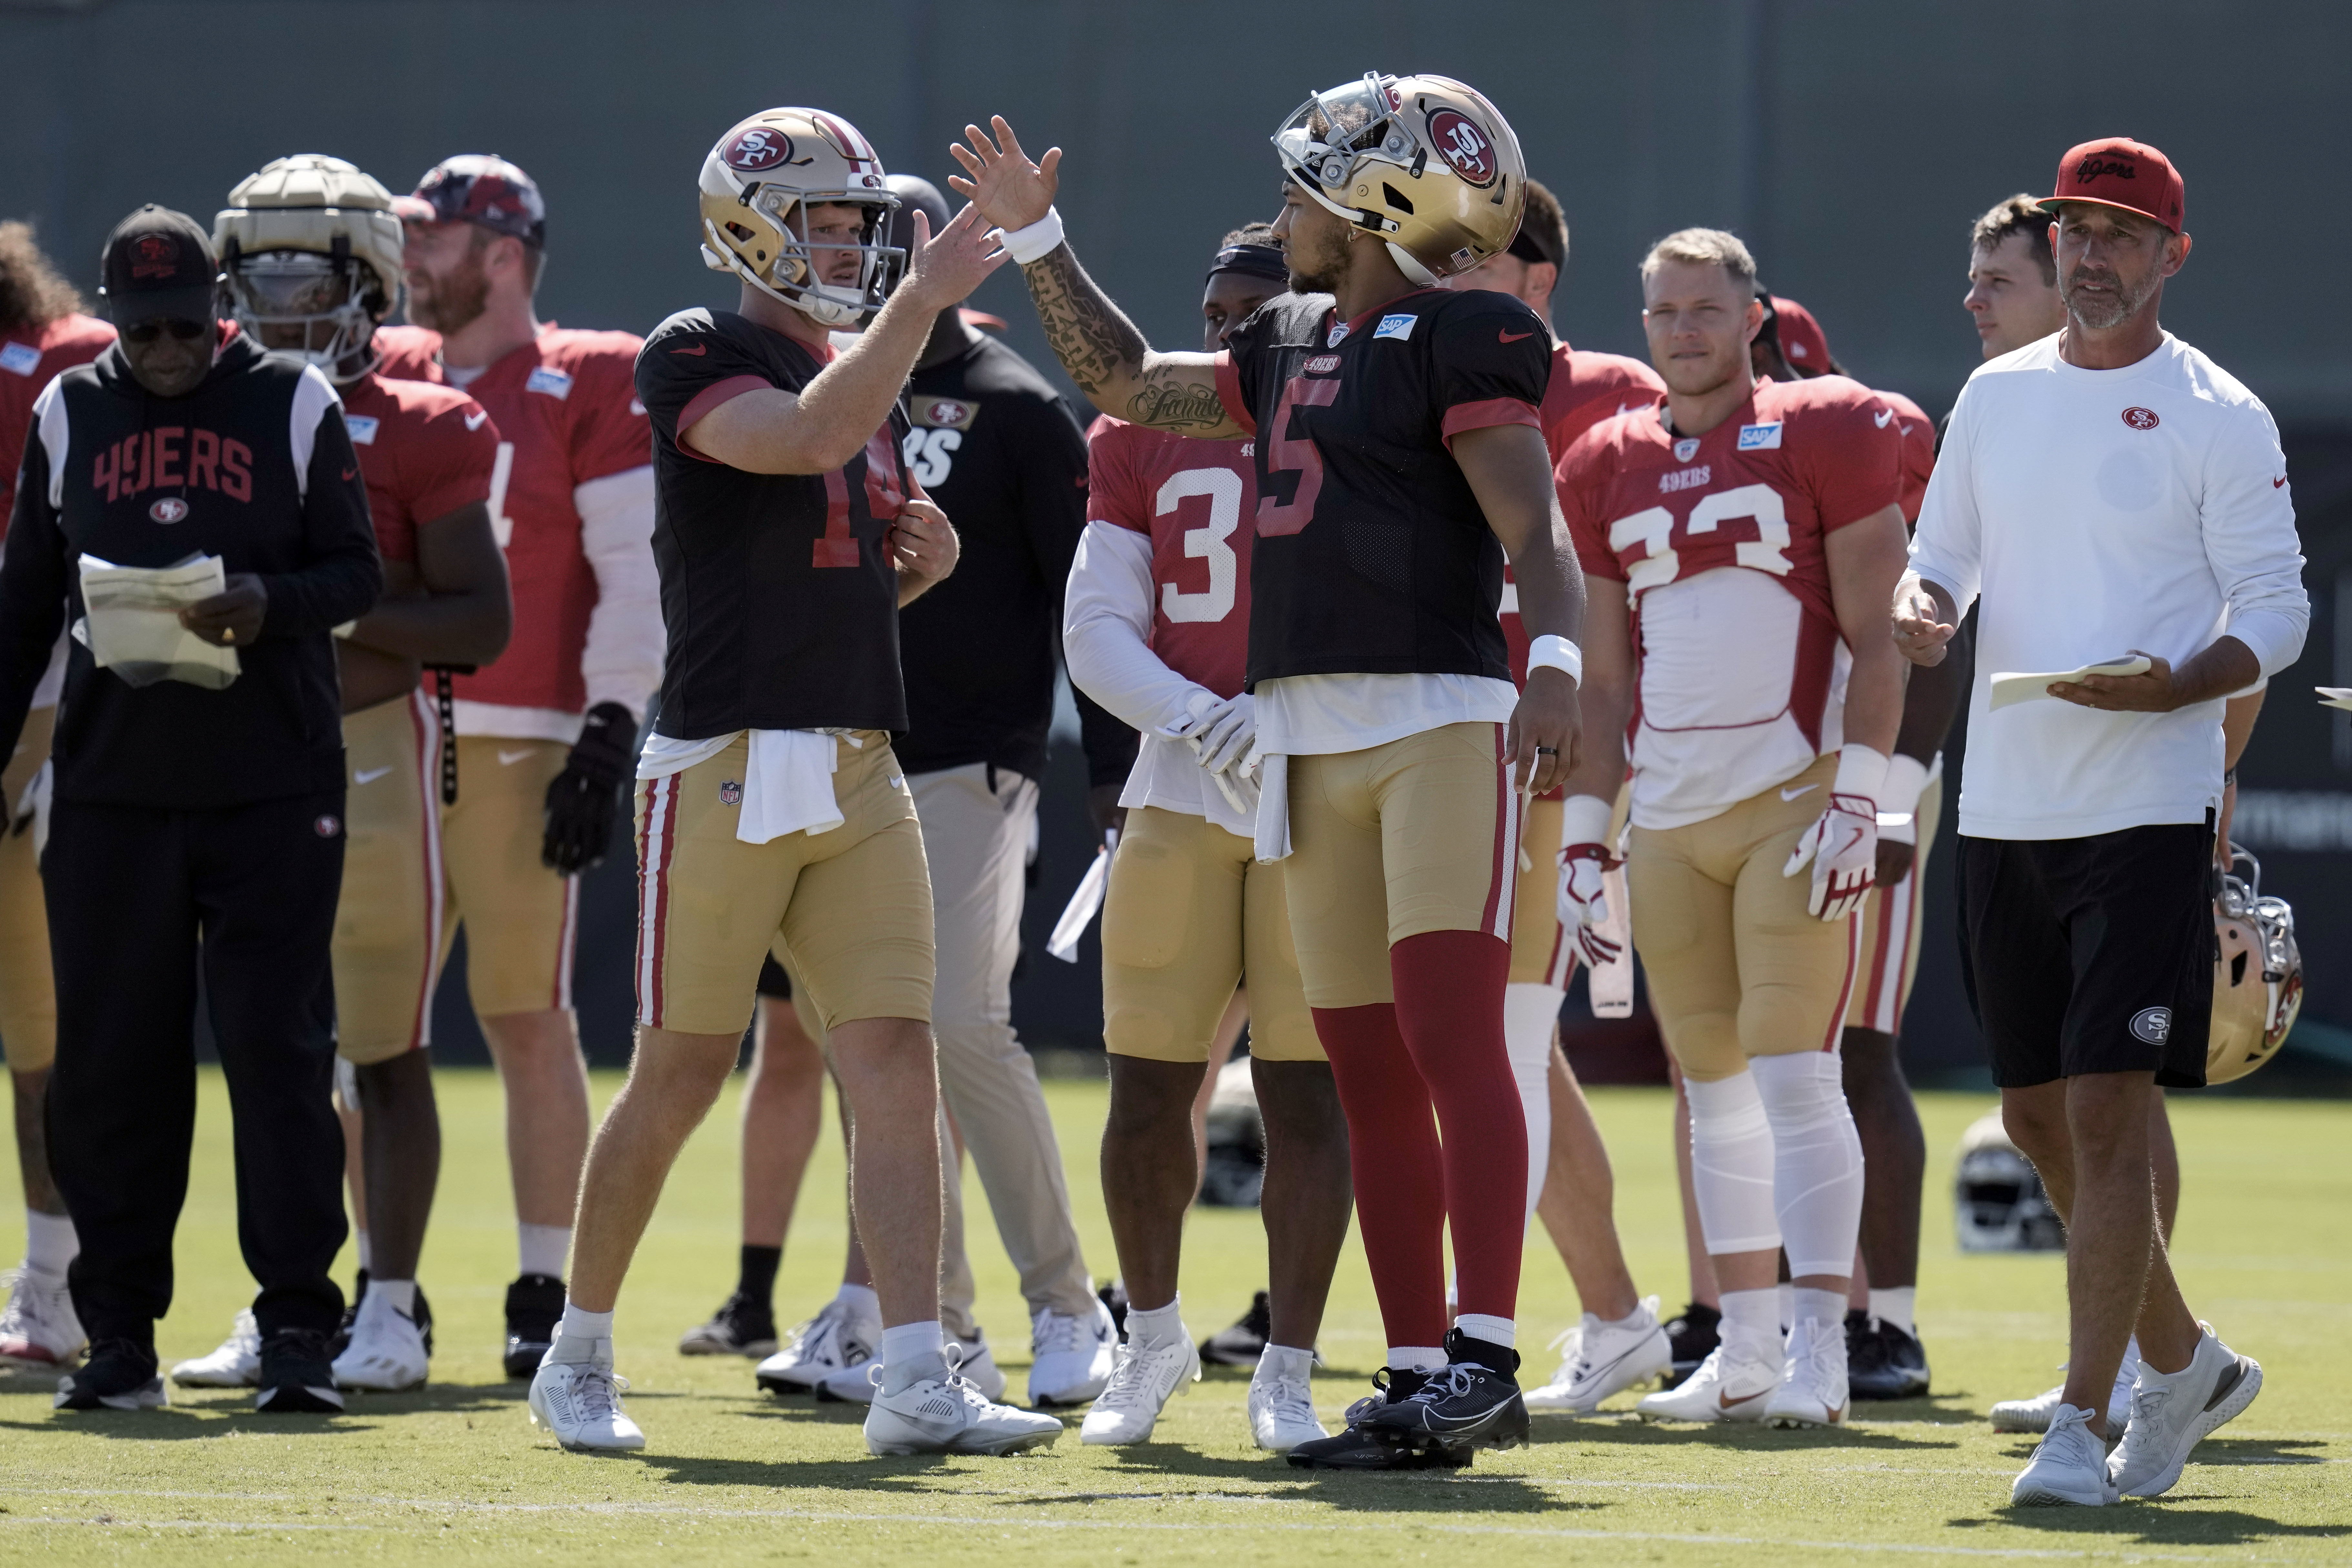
(30, 357)
(1719, 542)
(1189, 497)
(1918, 452)
(567, 412)
(424, 451)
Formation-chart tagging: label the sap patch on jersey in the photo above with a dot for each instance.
(1760, 437)
(553, 383)
(1396, 326)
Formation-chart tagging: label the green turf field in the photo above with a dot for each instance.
(729, 1475)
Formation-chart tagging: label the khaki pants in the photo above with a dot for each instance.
(388, 917)
(29, 996)
(521, 918)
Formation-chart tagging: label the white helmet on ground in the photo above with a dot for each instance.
(756, 185)
(1998, 1195)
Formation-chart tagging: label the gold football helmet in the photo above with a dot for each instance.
(2258, 977)
(759, 172)
(291, 235)
(1423, 162)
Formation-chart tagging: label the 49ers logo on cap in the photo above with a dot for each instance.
(2140, 419)
(761, 147)
(171, 508)
(1466, 148)
(154, 256)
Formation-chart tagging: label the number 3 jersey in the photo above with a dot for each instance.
(1718, 541)
(778, 590)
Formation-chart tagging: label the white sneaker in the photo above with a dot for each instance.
(2170, 1415)
(38, 1328)
(2033, 1415)
(1597, 1360)
(1073, 1356)
(2069, 1466)
(236, 1365)
(833, 1340)
(1813, 1389)
(854, 1385)
(1144, 1376)
(943, 1413)
(1724, 1388)
(576, 1395)
(1282, 1412)
(387, 1351)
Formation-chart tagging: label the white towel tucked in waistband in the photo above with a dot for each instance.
(1273, 808)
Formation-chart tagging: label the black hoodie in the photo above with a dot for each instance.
(255, 467)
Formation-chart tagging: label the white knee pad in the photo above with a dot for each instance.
(1731, 1165)
(1817, 1163)
(1529, 1012)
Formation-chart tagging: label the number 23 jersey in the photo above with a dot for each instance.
(1718, 543)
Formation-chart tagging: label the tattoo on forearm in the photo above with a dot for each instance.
(1176, 399)
(1088, 333)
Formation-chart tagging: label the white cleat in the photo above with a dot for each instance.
(827, 1343)
(2170, 1415)
(576, 1395)
(1599, 1360)
(943, 1413)
(38, 1328)
(387, 1351)
(2033, 1415)
(854, 1385)
(237, 1363)
(1282, 1412)
(1722, 1389)
(1073, 1356)
(2069, 1466)
(1813, 1389)
(1144, 1377)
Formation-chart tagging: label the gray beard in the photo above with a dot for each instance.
(2099, 312)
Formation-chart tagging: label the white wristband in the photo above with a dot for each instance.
(1035, 241)
(1548, 652)
(1907, 779)
(1862, 772)
(1585, 819)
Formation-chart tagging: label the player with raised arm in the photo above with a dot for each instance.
(1400, 457)
(1157, 629)
(1749, 524)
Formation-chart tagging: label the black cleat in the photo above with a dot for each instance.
(1694, 1332)
(534, 1306)
(297, 1374)
(118, 1375)
(1114, 1300)
(1882, 1360)
(1473, 1402)
(1244, 1341)
(1357, 1448)
(741, 1326)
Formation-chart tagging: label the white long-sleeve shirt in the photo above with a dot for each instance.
(2093, 512)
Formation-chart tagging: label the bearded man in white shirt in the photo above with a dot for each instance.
(2118, 501)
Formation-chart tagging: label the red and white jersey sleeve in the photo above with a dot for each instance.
(1918, 434)
(571, 501)
(1718, 543)
(30, 357)
(424, 451)
(1158, 608)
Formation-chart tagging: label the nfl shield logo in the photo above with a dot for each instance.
(1686, 448)
(731, 792)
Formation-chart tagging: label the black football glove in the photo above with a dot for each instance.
(586, 795)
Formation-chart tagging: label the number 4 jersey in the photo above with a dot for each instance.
(1718, 541)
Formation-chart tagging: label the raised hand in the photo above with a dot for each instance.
(945, 270)
(1010, 191)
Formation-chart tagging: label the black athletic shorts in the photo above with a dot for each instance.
(2096, 954)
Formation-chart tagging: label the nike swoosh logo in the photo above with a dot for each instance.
(349, 474)
(508, 759)
(2277, 482)
(369, 775)
(1881, 416)
(1802, 789)
(1728, 1403)
(697, 350)
(473, 420)
(1513, 337)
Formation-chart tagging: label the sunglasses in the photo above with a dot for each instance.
(180, 327)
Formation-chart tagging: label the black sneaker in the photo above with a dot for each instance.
(1882, 1360)
(1244, 1341)
(118, 1375)
(1693, 1333)
(1357, 1448)
(1114, 1300)
(534, 1306)
(741, 1326)
(1471, 1402)
(298, 1377)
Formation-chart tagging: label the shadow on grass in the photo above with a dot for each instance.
(2226, 1451)
(2153, 1524)
(1629, 1432)
(180, 1424)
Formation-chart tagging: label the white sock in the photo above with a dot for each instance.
(863, 1303)
(1785, 1303)
(1816, 1158)
(1415, 1358)
(580, 1325)
(1489, 1328)
(1283, 1360)
(1731, 1165)
(1156, 1324)
(402, 1294)
(541, 1248)
(50, 1243)
(1895, 1307)
(1530, 1013)
(1752, 1319)
(359, 1241)
(1823, 1308)
(912, 1342)
(1635, 1319)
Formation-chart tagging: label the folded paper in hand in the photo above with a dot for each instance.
(2016, 686)
(2335, 697)
(132, 622)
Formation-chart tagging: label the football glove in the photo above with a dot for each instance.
(1222, 729)
(1584, 861)
(585, 798)
(1842, 846)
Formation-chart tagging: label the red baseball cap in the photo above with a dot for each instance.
(1802, 342)
(2117, 171)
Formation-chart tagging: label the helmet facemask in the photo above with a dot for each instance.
(1326, 141)
(333, 297)
(791, 276)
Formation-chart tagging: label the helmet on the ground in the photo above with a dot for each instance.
(2257, 974)
(1423, 162)
(291, 233)
(1998, 1201)
(756, 185)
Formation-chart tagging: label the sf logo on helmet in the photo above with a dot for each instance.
(1464, 146)
(759, 148)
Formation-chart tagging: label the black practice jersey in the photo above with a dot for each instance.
(997, 448)
(1372, 555)
(778, 592)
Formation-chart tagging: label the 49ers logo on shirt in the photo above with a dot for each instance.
(945, 413)
(2141, 418)
(176, 456)
(1467, 149)
(171, 508)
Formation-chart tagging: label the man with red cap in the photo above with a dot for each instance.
(2114, 498)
